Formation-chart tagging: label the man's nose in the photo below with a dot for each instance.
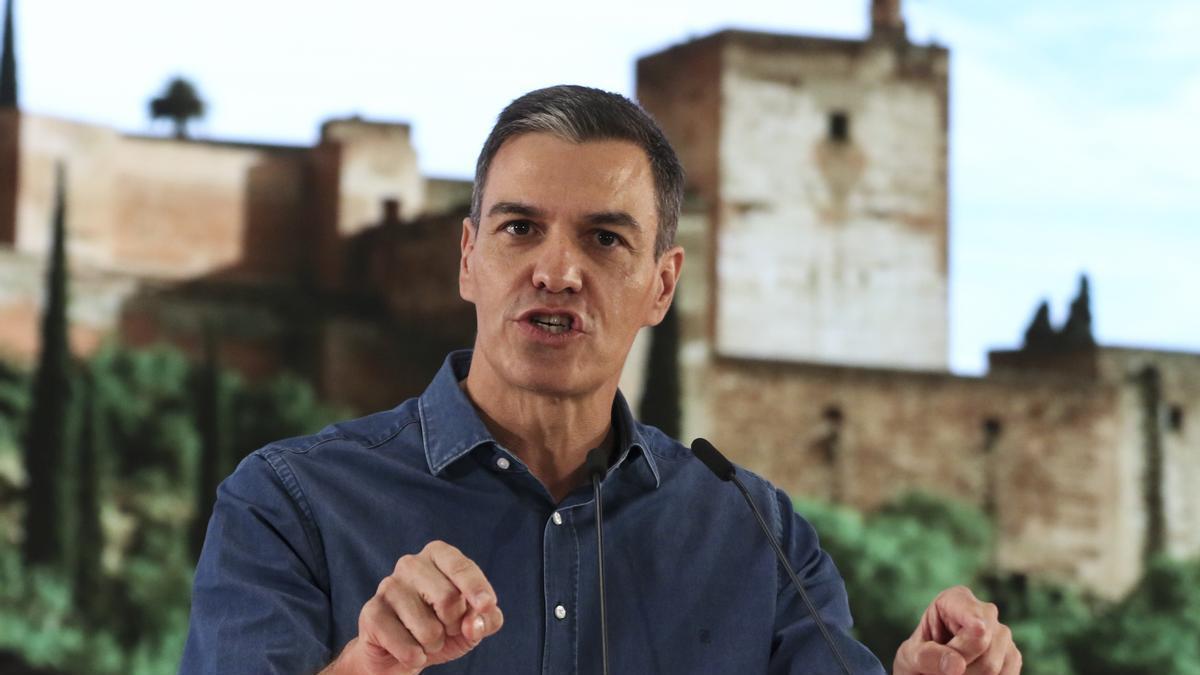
(557, 267)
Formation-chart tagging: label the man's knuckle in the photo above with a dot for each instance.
(404, 566)
(429, 633)
(410, 656)
(991, 610)
(385, 584)
(437, 547)
(370, 616)
(460, 566)
(444, 601)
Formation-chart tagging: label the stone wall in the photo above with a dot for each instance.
(826, 247)
(1049, 457)
(832, 248)
(163, 208)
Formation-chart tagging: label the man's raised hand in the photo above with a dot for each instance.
(959, 635)
(435, 607)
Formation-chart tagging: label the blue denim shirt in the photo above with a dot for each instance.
(304, 530)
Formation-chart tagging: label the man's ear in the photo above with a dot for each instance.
(466, 281)
(670, 265)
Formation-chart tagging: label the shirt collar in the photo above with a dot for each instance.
(451, 428)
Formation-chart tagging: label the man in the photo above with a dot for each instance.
(455, 533)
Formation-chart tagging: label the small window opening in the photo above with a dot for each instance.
(991, 433)
(833, 415)
(391, 211)
(839, 126)
(1175, 418)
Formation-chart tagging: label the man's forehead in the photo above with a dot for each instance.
(542, 167)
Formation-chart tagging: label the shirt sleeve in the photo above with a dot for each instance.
(797, 645)
(260, 601)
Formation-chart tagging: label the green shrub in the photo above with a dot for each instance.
(1154, 630)
(896, 560)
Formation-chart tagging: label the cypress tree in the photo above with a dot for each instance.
(1077, 332)
(660, 404)
(45, 440)
(210, 419)
(89, 584)
(1040, 335)
(8, 61)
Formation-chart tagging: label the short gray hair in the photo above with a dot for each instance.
(580, 114)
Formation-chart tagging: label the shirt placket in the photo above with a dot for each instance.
(560, 574)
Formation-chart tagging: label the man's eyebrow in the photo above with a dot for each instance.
(514, 209)
(617, 218)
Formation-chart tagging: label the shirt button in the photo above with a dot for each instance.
(502, 463)
(557, 518)
(560, 612)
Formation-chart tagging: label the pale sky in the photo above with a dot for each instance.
(1074, 124)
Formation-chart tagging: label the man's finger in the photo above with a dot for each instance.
(1012, 663)
(957, 607)
(417, 616)
(1000, 648)
(463, 573)
(934, 659)
(478, 625)
(382, 628)
(971, 641)
(435, 590)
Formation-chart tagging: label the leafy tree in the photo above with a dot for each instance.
(211, 419)
(281, 407)
(1044, 618)
(180, 103)
(896, 560)
(1155, 630)
(90, 586)
(14, 399)
(45, 442)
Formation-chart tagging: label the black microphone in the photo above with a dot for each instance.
(725, 470)
(597, 465)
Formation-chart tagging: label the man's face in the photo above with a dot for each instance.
(561, 268)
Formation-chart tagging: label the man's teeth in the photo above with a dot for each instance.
(552, 323)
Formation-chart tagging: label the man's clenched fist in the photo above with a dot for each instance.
(435, 607)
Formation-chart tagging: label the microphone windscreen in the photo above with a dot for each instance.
(713, 459)
(597, 462)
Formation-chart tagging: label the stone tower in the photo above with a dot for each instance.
(822, 165)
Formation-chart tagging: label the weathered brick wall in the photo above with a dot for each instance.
(1049, 456)
(160, 207)
(1177, 424)
(94, 301)
(377, 162)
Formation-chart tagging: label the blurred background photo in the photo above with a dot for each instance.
(940, 284)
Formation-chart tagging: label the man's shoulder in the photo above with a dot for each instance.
(660, 444)
(368, 431)
(665, 447)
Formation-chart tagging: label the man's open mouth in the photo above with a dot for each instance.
(552, 323)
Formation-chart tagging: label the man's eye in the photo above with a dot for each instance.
(607, 239)
(518, 227)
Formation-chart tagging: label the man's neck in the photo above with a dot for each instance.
(550, 434)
